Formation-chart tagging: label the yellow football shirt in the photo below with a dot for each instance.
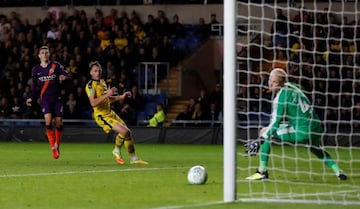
(97, 89)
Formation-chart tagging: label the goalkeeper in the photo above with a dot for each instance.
(303, 125)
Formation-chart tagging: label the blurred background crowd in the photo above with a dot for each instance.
(118, 40)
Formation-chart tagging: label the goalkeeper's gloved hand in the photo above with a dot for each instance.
(253, 146)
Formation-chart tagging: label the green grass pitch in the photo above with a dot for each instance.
(86, 176)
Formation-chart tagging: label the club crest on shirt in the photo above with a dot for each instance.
(51, 70)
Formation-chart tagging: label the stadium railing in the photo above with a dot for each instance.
(71, 3)
(28, 130)
(218, 29)
(149, 75)
(196, 123)
(78, 131)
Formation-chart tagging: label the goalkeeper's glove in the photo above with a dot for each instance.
(253, 146)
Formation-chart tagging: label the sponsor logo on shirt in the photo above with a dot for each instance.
(47, 78)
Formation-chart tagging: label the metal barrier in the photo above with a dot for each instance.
(86, 131)
(242, 28)
(196, 123)
(149, 75)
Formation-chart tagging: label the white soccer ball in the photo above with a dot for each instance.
(197, 175)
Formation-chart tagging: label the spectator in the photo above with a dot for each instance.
(204, 99)
(71, 109)
(136, 100)
(128, 114)
(159, 117)
(163, 29)
(151, 27)
(176, 29)
(191, 105)
(356, 115)
(279, 29)
(214, 115)
(72, 68)
(124, 82)
(216, 97)
(121, 41)
(280, 60)
(166, 51)
(52, 34)
(198, 115)
(184, 114)
(5, 108)
(202, 30)
(214, 21)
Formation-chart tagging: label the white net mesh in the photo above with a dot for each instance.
(318, 44)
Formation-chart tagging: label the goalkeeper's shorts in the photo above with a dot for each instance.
(299, 135)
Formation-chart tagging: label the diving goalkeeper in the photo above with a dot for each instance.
(302, 126)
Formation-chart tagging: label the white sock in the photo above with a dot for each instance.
(116, 149)
(133, 158)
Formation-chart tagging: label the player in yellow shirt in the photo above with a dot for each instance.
(100, 97)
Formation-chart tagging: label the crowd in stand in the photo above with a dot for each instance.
(119, 41)
(21, 3)
(320, 51)
(204, 110)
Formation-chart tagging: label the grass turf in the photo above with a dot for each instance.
(86, 176)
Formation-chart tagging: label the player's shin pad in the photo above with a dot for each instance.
(252, 147)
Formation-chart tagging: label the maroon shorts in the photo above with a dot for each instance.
(52, 105)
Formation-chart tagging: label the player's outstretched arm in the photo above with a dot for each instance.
(120, 97)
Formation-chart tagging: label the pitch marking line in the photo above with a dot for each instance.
(191, 205)
(86, 172)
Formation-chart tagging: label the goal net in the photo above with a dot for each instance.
(317, 43)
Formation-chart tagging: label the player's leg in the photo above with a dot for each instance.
(50, 134)
(123, 130)
(119, 142)
(115, 123)
(128, 140)
(302, 136)
(265, 149)
(58, 132)
(47, 110)
(284, 133)
(107, 123)
(323, 155)
(58, 123)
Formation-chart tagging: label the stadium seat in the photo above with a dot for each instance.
(148, 97)
(194, 43)
(150, 109)
(160, 98)
(141, 116)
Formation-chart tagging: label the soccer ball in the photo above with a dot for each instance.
(197, 175)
